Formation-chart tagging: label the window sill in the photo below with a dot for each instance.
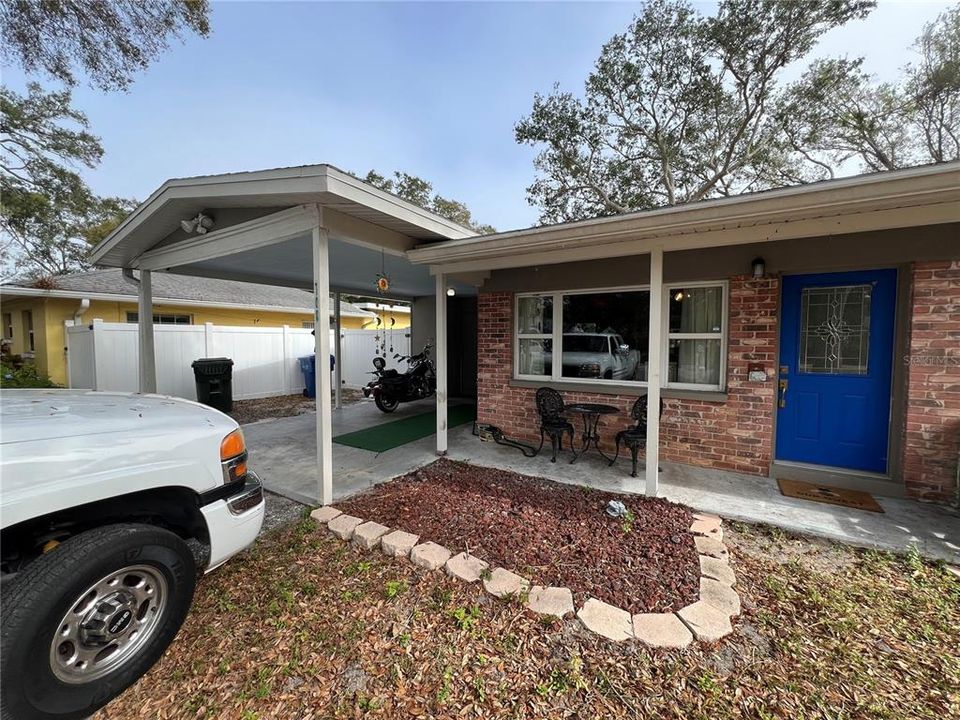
(622, 389)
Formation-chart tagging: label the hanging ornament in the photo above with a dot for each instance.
(383, 280)
(393, 321)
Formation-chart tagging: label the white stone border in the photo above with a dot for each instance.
(707, 619)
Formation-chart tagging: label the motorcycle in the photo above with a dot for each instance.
(390, 388)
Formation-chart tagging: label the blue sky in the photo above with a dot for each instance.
(430, 88)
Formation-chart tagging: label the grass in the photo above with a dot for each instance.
(827, 632)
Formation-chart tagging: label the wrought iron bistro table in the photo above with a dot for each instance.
(590, 413)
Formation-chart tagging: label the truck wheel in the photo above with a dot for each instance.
(385, 404)
(84, 621)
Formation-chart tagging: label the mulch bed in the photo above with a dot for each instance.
(552, 534)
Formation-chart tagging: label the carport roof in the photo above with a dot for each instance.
(248, 195)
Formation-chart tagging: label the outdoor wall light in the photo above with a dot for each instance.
(451, 292)
(200, 224)
(759, 267)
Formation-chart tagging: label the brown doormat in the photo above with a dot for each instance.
(830, 495)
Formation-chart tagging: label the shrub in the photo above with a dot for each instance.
(25, 376)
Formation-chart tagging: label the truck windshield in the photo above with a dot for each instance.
(585, 343)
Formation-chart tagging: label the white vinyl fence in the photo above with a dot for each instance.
(105, 356)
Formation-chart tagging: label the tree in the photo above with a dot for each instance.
(109, 41)
(677, 109)
(420, 192)
(933, 85)
(48, 214)
(836, 113)
(42, 138)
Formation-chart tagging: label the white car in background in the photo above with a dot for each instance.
(111, 506)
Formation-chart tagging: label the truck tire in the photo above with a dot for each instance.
(119, 593)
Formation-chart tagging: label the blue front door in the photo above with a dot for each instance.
(836, 358)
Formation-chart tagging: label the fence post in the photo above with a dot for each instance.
(67, 324)
(207, 339)
(286, 359)
(97, 339)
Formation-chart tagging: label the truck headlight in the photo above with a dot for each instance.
(590, 370)
(233, 457)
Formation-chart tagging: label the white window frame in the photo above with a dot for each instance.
(724, 286)
(134, 315)
(556, 375)
(518, 336)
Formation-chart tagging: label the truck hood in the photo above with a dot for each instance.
(30, 415)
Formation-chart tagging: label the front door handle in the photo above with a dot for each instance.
(782, 394)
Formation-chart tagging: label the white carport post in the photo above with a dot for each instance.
(337, 367)
(148, 361)
(321, 324)
(654, 355)
(441, 354)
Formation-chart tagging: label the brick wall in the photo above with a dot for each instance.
(932, 428)
(733, 435)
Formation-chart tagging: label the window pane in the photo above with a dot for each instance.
(605, 335)
(536, 315)
(696, 309)
(835, 330)
(694, 361)
(536, 357)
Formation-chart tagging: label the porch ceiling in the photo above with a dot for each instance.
(353, 268)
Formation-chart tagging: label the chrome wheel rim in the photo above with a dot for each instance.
(108, 624)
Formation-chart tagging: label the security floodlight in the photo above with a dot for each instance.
(200, 224)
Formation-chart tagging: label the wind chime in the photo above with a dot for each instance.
(383, 287)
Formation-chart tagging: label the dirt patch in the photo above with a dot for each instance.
(552, 534)
(248, 411)
(811, 553)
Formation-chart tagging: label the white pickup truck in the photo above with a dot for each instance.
(111, 506)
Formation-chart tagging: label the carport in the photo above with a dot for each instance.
(312, 227)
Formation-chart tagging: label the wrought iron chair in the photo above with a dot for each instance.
(550, 408)
(635, 437)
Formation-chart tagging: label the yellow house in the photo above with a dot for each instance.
(34, 319)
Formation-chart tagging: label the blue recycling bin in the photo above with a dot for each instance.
(308, 366)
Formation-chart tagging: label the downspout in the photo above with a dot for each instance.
(128, 274)
(83, 307)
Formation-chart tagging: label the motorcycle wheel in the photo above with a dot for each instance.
(385, 404)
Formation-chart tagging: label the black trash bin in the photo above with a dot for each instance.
(214, 377)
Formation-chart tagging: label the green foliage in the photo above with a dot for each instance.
(684, 106)
(109, 41)
(49, 215)
(420, 192)
(465, 618)
(933, 87)
(676, 109)
(26, 376)
(394, 588)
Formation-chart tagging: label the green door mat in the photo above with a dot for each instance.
(400, 432)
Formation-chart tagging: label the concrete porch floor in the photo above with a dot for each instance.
(283, 452)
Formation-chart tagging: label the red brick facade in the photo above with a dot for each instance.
(932, 432)
(736, 434)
